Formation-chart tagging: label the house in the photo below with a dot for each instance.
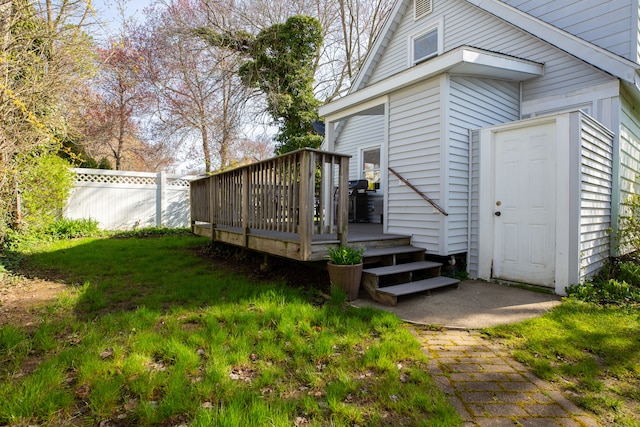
(519, 118)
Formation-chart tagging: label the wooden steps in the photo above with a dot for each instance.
(399, 271)
(389, 294)
(392, 255)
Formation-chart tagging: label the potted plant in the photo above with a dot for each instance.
(345, 269)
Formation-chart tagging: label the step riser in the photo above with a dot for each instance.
(377, 244)
(376, 281)
(390, 294)
(393, 259)
(400, 272)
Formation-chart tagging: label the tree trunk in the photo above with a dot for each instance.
(206, 149)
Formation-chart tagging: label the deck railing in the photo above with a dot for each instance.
(304, 193)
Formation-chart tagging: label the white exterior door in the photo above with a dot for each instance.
(524, 205)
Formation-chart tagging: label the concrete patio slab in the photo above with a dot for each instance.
(473, 305)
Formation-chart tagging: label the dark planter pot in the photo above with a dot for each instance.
(346, 277)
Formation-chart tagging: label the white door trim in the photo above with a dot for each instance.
(486, 190)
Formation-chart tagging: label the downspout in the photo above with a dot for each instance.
(520, 100)
(469, 199)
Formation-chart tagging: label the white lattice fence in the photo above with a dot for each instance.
(123, 200)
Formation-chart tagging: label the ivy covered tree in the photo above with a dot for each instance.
(280, 62)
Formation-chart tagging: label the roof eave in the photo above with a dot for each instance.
(461, 61)
(598, 57)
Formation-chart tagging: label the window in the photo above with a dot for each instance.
(422, 8)
(371, 167)
(425, 45)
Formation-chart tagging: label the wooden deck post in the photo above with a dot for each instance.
(213, 193)
(246, 192)
(343, 201)
(307, 175)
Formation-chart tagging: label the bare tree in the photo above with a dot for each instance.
(351, 37)
(254, 149)
(112, 126)
(199, 98)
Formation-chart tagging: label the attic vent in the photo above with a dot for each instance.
(422, 8)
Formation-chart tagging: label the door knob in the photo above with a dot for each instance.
(498, 213)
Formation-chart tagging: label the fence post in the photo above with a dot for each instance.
(161, 198)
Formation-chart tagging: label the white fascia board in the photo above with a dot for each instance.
(356, 109)
(497, 61)
(587, 52)
(464, 60)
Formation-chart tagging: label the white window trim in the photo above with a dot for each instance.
(437, 25)
(361, 161)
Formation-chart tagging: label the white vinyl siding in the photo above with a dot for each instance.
(474, 103)
(629, 173)
(465, 24)
(358, 132)
(395, 57)
(629, 152)
(415, 147)
(433, 154)
(608, 24)
(596, 179)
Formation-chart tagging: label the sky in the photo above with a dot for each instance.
(108, 13)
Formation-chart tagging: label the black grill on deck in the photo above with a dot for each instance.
(358, 201)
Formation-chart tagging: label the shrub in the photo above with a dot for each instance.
(629, 226)
(152, 232)
(73, 228)
(628, 271)
(611, 291)
(17, 240)
(617, 283)
(45, 182)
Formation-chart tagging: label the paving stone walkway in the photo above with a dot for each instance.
(491, 389)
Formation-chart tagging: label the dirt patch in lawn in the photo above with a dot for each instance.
(21, 299)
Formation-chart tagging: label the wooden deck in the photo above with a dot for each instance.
(296, 206)
(364, 235)
(293, 206)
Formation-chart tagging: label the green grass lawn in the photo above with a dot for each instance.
(152, 333)
(591, 351)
